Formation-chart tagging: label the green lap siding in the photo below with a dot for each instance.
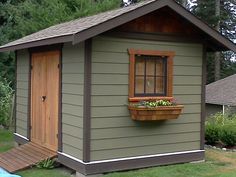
(72, 99)
(113, 133)
(22, 90)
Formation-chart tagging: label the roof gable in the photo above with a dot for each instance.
(222, 92)
(84, 28)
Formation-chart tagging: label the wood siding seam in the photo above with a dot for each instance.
(143, 146)
(73, 126)
(73, 146)
(80, 117)
(150, 135)
(74, 136)
(87, 100)
(71, 104)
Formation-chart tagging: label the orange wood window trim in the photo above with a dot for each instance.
(169, 54)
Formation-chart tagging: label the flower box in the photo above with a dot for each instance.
(157, 113)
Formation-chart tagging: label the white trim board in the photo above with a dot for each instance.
(21, 136)
(129, 158)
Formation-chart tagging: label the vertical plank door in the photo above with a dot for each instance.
(38, 89)
(52, 87)
(44, 99)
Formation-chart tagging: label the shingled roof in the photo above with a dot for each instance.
(84, 28)
(222, 92)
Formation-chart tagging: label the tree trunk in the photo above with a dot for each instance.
(217, 66)
(217, 54)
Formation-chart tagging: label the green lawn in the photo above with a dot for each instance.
(218, 164)
(6, 140)
(58, 172)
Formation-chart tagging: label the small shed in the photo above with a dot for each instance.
(75, 80)
(221, 96)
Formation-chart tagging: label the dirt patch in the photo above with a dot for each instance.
(224, 158)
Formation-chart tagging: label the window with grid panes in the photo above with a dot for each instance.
(151, 74)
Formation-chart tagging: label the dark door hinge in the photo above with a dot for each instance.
(58, 65)
(31, 67)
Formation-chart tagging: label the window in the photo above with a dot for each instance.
(150, 75)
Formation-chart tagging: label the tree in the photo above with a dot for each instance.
(223, 20)
(217, 27)
(19, 18)
(186, 3)
(125, 3)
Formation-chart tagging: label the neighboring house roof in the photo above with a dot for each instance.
(222, 92)
(84, 28)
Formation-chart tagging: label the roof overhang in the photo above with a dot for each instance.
(220, 42)
(222, 104)
(48, 41)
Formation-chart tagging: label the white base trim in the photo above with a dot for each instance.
(21, 136)
(128, 158)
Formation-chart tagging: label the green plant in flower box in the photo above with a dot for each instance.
(153, 103)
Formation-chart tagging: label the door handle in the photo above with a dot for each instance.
(43, 98)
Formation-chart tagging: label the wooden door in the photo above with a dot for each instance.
(44, 99)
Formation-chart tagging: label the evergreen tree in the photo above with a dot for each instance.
(22, 17)
(19, 18)
(225, 23)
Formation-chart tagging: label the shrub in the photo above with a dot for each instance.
(218, 119)
(228, 135)
(46, 164)
(5, 102)
(212, 133)
(221, 128)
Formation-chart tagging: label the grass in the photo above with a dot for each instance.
(218, 164)
(35, 172)
(6, 140)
